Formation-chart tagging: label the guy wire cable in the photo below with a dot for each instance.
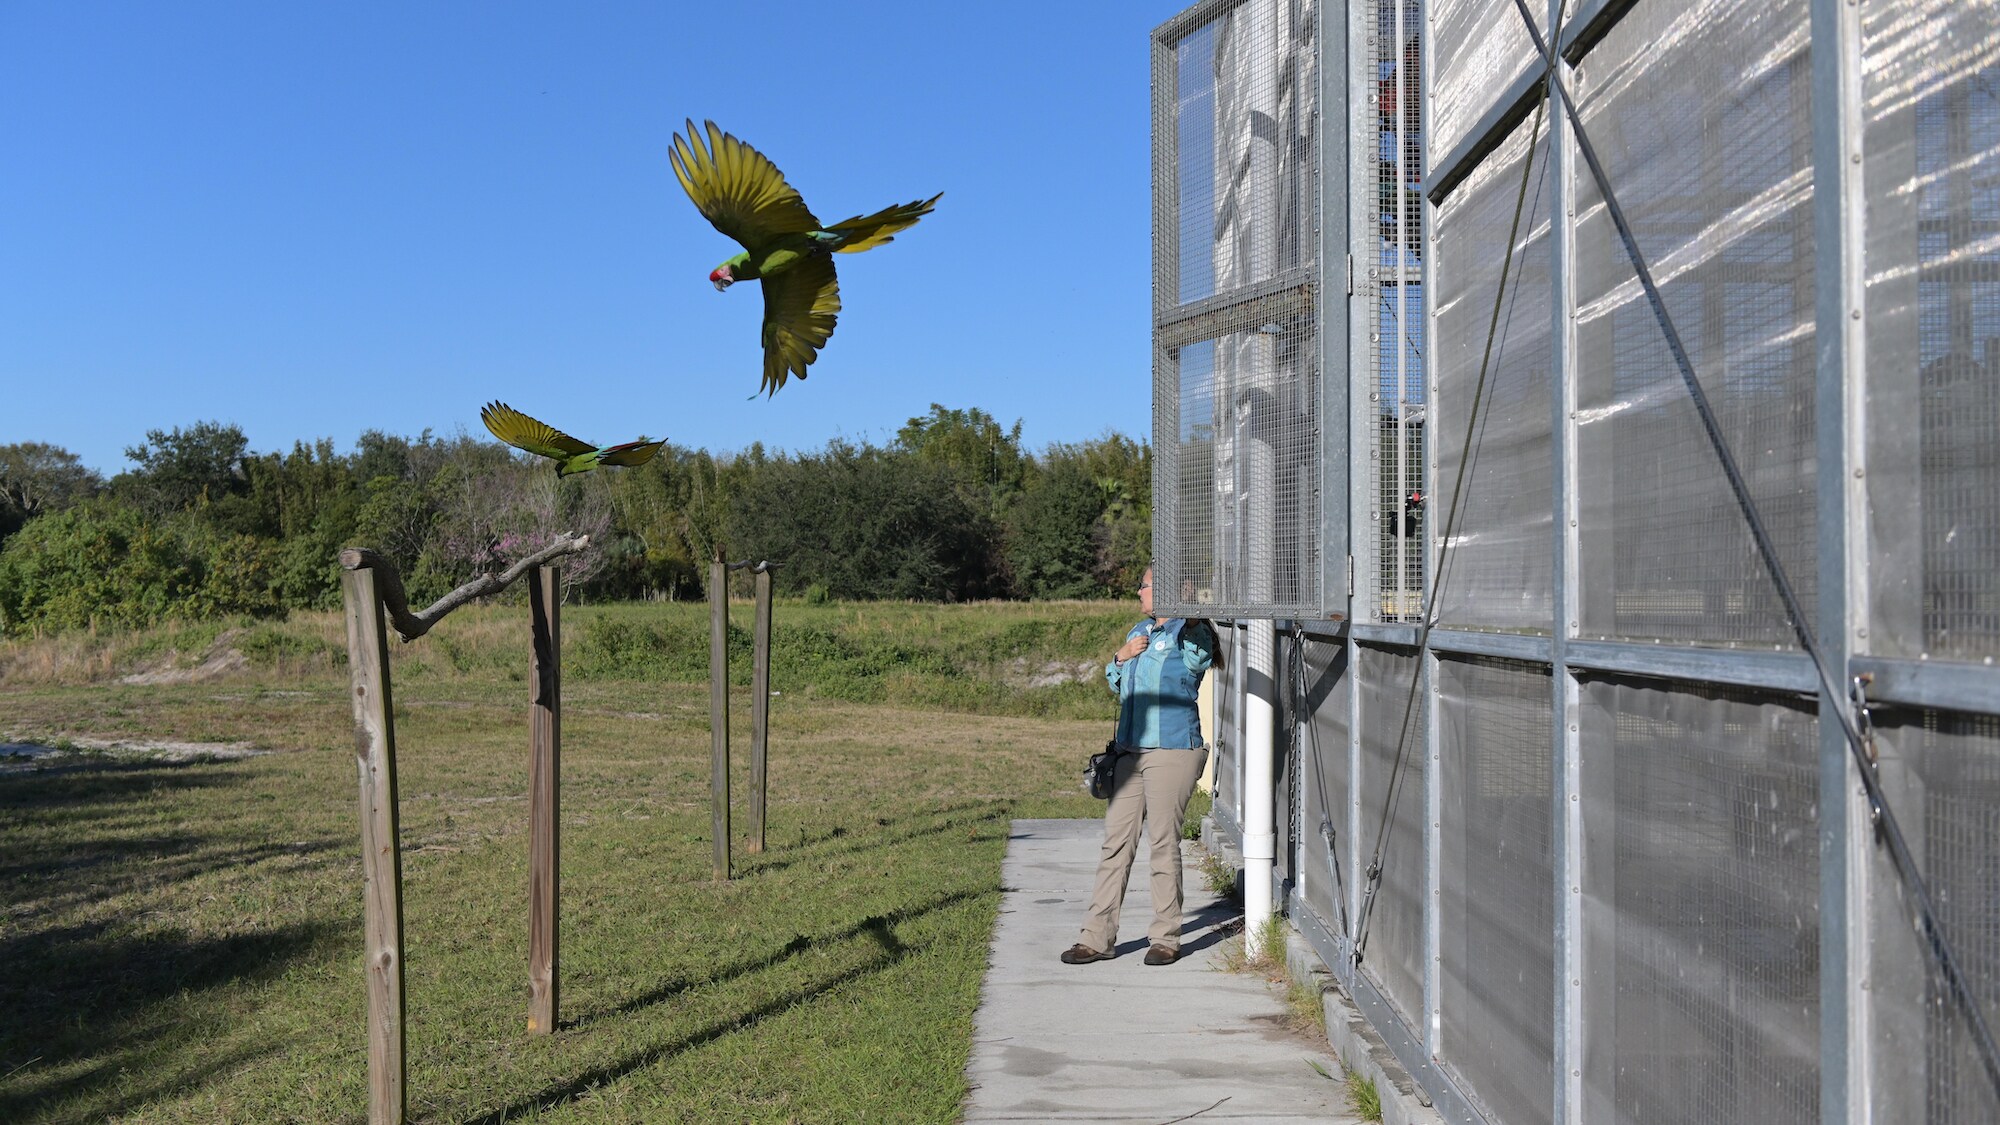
(1326, 832)
(1373, 875)
(1885, 818)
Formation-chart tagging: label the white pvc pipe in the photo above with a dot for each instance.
(1259, 813)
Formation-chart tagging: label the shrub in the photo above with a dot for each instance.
(105, 562)
(864, 524)
(98, 561)
(1050, 545)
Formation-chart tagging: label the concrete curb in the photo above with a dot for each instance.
(1360, 1049)
(1353, 1040)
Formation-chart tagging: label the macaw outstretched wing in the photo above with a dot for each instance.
(800, 307)
(523, 432)
(737, 188)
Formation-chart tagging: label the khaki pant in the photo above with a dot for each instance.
(1153, 788)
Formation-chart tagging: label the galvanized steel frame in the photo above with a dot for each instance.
(1427, 665)
(1336, 309)
(1287, 294)
(1573, 966)
(1840, 286)
(1363, 550)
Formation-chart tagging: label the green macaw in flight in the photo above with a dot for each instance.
(569, 454)
(739, 190)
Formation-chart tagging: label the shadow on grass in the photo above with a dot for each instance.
(106, 782)
(118, 999)
(74, 836)
(76, 874)
(876, 925)
(103, 996)
(184, 1082)
(890, 951)
(806, 842)
(859, 842)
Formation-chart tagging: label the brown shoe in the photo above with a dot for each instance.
(1161, 955)
(1081, 954)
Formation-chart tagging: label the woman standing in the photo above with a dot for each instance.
(1156, 673)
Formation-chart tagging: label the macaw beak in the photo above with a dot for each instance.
(721, 278)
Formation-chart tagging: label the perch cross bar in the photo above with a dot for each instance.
(410, 626)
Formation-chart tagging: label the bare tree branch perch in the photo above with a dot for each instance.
(410, 626)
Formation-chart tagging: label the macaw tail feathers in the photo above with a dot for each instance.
(631, 453)
(865, 232)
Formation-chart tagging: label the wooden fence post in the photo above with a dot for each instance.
(381, 853)
(760, 706)
(718, 710)
(544, 800)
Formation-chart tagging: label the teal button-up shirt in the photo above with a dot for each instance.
(1156, 689)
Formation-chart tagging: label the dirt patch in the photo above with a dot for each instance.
(17, 756)
(216, 666)
(1052, 673)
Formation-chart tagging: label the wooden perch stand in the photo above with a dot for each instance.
(718, 705)
(372, 588)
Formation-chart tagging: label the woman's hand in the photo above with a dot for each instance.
(1133, 647)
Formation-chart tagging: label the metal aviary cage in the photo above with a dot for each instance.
(1612, 429)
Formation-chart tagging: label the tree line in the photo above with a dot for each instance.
(954, 508)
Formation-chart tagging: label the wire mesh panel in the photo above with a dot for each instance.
(1194, 171)
(1390, 244)
(1242, 147)
(1392, 827)
(1323, 777)
(1497, 976)
(1933, 184)
(1942, 771)
(1242, 535)
(1480, 46)
(1236, 383)
(1492, 377)
(1701, 117)
(1710, 898)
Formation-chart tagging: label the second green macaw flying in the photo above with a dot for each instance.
(785, 246)
(569, 454)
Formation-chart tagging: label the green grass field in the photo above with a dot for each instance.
(183, 940)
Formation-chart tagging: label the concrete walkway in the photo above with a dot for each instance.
(1120, 1040)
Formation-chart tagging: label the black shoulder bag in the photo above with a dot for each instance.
(1101, 771)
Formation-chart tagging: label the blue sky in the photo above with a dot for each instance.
(312, 220)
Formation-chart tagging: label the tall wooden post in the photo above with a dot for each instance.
(760, 705)
(381, 854)
(718, 710)
(544, 800)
